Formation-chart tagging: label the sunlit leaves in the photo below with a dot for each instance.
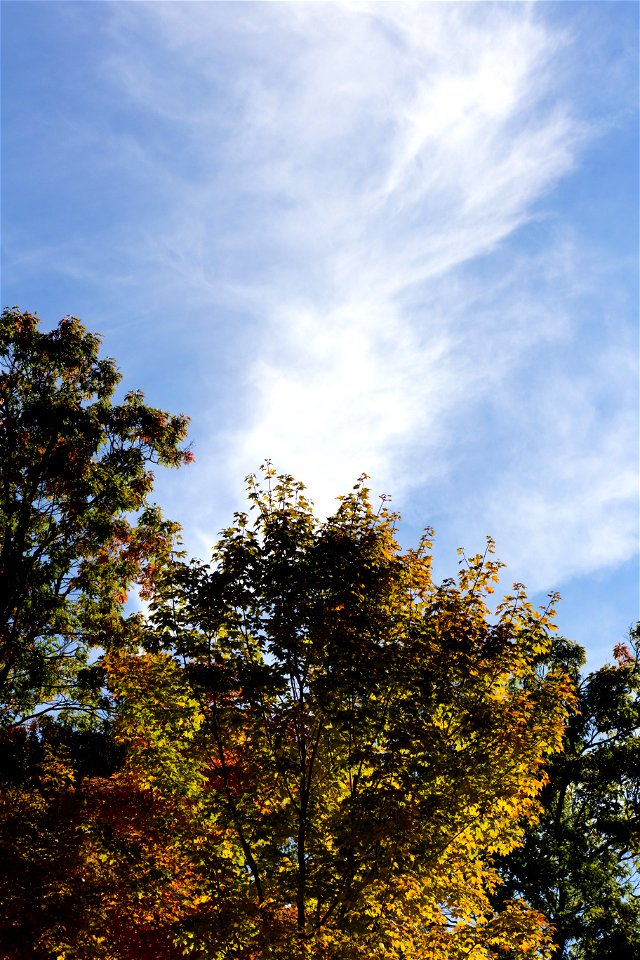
(374, 739)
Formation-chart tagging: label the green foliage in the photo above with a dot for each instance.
(157, 721)
(76, 526)
(581, 864)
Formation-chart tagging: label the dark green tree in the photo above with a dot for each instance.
(581, 864)
(76, 525)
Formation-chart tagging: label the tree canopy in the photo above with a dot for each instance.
(76, 525)
(309, 749)
(371, 740)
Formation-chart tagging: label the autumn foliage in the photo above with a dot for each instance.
(373, 740)
(308, 750)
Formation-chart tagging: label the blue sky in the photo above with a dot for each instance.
(399, 239)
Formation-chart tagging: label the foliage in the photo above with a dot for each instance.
(76, 525)
(371, 741)
(314, 751)
(580, 865)
(117, 867)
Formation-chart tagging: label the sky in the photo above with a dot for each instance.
(391, 238)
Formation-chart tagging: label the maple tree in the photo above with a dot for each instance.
(76, 525)
(580, 864)
(97, 867)
(108, 846)
(371, 741)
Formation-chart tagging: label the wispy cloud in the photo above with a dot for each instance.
(351, 185)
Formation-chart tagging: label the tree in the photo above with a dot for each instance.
(580, 864)
(371, 741)
(102, 858)
(76, 526)
(96, 858)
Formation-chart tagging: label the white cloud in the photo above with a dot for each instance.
(564, 497)
(361, 169)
